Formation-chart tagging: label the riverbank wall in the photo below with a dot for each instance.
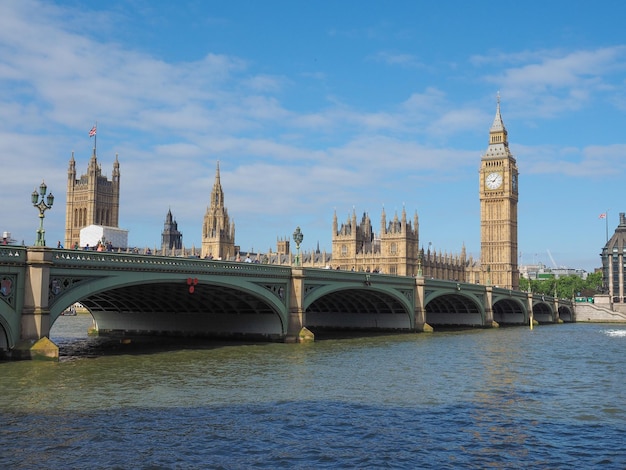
(601, 311)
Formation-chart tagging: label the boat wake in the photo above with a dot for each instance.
(616, 333)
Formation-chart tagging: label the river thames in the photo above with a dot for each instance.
(552, 397)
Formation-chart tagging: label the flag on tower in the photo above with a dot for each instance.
(92, 132)
(602, 216)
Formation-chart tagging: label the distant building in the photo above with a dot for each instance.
(540, 272)
(171, 237)
(282, 246)
(613, 268)
(92, 199)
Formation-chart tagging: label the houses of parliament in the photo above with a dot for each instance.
(395, 249)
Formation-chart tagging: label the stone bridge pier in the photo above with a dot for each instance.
(35, 316)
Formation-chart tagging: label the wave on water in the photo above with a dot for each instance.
(616, 333)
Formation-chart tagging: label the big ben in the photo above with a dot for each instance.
(498, 210)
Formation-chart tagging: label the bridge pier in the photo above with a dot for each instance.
(35, 319)
(296, 331)
(557, 318)
(489, 321)
(420, 308)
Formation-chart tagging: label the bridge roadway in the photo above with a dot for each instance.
(134, 294)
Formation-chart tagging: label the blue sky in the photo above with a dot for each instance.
(317, 107)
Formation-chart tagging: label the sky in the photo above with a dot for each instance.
(313, 108)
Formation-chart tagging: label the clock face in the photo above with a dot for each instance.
(493, 180)
(514, 182)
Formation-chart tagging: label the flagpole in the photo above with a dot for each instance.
(606, 220)
(95, 140)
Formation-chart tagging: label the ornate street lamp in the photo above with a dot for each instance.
(43, 206)
(298, 237)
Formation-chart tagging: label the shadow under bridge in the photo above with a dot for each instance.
(202, 308)
(359, 302)
(454, 304)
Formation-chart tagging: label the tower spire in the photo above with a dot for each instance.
(218, 232)
(498, 136)
(217, 193)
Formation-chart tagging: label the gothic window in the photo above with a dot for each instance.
(394, 249)
(344, 250)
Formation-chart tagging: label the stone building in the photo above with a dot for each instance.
(171, 237)
(218, 232)
(613, 259)
(92, 199)
(393, 250)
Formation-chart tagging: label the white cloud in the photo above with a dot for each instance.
(550, 83)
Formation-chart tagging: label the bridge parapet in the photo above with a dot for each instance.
(137, 262)
(12, 254)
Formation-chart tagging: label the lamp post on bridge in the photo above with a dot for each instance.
(43, 206)
(298, 237)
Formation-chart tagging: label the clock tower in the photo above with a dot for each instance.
(498, 210)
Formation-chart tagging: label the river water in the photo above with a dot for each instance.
(551, 397)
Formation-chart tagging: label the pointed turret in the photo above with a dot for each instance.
(71, 171)
(383, 221)
(93, 163)
(498, 124)
(403, 227)
(116, 170)
(217, 195)
(498, 136)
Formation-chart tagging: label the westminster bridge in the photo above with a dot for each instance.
(131, 294)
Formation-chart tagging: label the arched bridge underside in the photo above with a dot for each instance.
(454, 310)
(169, 308)
(220, 311)
(216, 309)
(235, 300)
(359, 309)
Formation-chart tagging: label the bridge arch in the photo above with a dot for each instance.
(359, 306)
(566, 313)
(165, 303)
(543, 312)
(6, 335)
(443, 308)
(509, 311)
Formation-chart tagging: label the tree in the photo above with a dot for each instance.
(594, 281)
(566, 287)
(524, 284)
